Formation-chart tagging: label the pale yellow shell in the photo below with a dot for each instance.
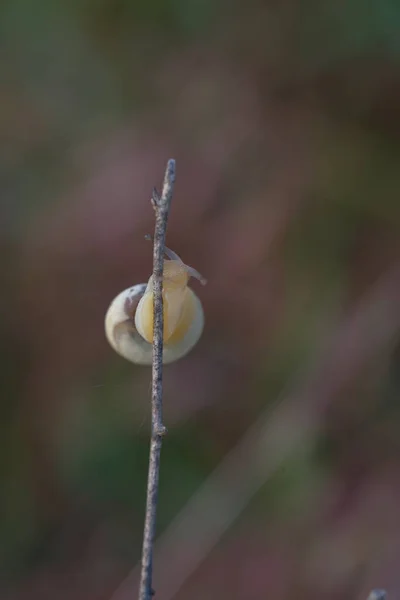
(123, 319)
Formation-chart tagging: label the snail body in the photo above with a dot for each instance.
(129, 319)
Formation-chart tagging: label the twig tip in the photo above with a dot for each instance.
(170, 172)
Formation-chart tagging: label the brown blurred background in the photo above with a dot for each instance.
(281, 471)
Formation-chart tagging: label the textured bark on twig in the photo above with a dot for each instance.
(161, 206)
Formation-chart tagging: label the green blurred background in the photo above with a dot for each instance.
(281, 471)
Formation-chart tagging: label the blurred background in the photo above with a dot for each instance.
(280, 475)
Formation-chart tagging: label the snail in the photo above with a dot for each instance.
(129, 319)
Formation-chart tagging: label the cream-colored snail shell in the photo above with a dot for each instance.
(126, 313)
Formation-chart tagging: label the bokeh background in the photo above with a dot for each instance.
(281, 471)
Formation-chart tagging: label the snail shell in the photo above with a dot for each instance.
(129, 319)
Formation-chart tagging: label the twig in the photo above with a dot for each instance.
(161, 206)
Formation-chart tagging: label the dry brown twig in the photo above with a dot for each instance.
(161, 205)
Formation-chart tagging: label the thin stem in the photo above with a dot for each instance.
(161, 206)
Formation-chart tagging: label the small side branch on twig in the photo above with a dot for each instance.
(161, 205)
